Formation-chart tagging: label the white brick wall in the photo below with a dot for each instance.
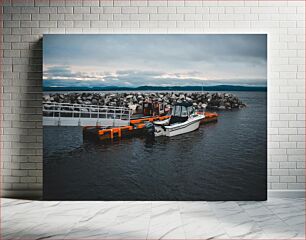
(24, 22)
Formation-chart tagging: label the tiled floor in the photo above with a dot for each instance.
(274, 219)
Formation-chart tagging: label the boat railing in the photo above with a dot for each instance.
(70, 110)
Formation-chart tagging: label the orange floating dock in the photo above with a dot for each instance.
(209, 117)
(148, 119)
(136, 128)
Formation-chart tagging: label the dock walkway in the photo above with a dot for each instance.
(66, 114)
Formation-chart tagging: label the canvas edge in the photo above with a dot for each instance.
(38, 194)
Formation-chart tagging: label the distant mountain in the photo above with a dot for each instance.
(160, 88)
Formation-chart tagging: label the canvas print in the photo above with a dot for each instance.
(155, 117)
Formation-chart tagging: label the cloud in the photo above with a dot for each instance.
(64, 76)
(128, 59)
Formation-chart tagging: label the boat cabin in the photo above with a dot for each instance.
(181, 111)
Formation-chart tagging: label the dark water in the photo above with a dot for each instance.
(226, 160)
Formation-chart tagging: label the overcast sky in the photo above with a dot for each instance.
(137, 60)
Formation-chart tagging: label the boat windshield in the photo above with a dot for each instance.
(190, 111)
(176, 111)
(182, 111)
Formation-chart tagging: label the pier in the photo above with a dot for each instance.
(67, 114)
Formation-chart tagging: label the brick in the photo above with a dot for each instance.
(158, 3)
(112, 10)
(129, 10)
(202, 10)
(29, 10)
(21, 16)
(49, 10)
(287, 165)
(65, 24)
(91, 3)
(221, 24)
(11, 9)
(23, 3)
(11, 179)
(98, 24)
(74, 3)
(296, 186)
(130, 24)
(75, 16)
(20, 46)
(81, 24)
(121, 17)
(147, 9)
(277, 186)
(273, 179)
(21, 31)
(166, 9)
(288, 179)
(60, 3)
(121, 3)
(217, 10)
(230, 3)
(167, 24)
(137, 3)
(176, 17)
(28, 179)
(148, 24)
(81, 9)
(185, 10)
(113, 24)
(160, 17)
(91, 16)
(140, 17)
(47, 24)
(42, 3)
(193, 17)
(19, 173)
(40, 17)
(185, 24)
(63, 10)
(11, 24)
(105, 17)
(230, 17)
(57, 17)
(296, 172)
(300, 179)
(38, 31)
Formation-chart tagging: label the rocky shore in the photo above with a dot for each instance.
(134, 101)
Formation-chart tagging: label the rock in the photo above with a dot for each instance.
(129, 96)
(46, 98)
(135, 101)
(133, 107)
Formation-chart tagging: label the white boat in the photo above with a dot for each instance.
(183, 120)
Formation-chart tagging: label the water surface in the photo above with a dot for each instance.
(226, 160)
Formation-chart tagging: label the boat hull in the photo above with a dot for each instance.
(178, 129)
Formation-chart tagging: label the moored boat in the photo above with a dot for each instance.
(183, 119)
